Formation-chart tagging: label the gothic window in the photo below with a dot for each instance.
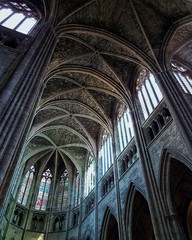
(124, 127)
(90, 175)
(26, 186)
(106, 153)
(62, 199)
(44, 189)
(183, 76)
(17, 16)
(77, 189)
(148, 92)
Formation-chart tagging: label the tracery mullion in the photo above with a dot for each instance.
(5, 19)
(25, 188)
(125, 122)
(43, 192)
(186, 82)
(111, 150)
(128, 127)
(31, 173)
(181, 82)
(63, 191)
(119, 134)
(153, 90)
(20, 23)
(148, 95)
(144, 103)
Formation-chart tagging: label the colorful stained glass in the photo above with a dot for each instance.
(26, 186)
(44, 188)
(62, 197)
(77, 190)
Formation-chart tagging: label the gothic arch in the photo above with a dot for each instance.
(138, 223)
(109, 230)
(175, 177)
(176, 37)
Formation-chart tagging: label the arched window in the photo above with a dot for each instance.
(77, 189)
(62, 199)
(90, 175)
(17, 16)
(124, 127)
(106, 153)
(183, 76)
(44, 189)
(26, 186)
(148, 92)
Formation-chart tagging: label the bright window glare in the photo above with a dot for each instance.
(26, 25)
(14, 20)
(5, 12)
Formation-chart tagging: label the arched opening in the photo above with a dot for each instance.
(110, 227)
(142, 228)
(180, 179)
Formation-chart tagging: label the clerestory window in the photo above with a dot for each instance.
(62, 197)
(26, 186)
(44, 189)
(106, 152)
(90, 175)
(148, 92)
(124, 127)
(183, 76)
(77, 189)
(17, 16)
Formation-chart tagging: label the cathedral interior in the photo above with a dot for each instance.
(96, 119)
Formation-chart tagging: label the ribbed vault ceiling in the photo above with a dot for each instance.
(101, 44)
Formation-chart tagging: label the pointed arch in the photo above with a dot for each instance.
(109, 230)
(138, 222)
(175, 179)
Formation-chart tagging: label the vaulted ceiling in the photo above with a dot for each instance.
(101, 46)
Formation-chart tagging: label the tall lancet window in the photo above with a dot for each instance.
(183, 76)
(26, 186)
(62, 199)
(17, 16)
(90, 175)
(77, 189)
(124, 127)
(45, 185)
(106, 152)
(148, 92)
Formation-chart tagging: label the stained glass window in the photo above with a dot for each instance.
(62, 199)
(77, 189)
(26, 186)
(90, 175)
(17, 16)
(44, 189)
(148, 92)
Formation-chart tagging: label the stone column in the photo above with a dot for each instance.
(178, 105)
(18, 100)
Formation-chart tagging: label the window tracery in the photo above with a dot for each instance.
(124, 127)
(26, 186)
(62, 199)
(106, 152)
(45, 185)
(77, 189)
(90, 175)
(183, 76)
(148, 92)
(17, 16)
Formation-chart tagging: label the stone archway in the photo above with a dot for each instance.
(137, 217)
(110, 227)
(180, 181)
